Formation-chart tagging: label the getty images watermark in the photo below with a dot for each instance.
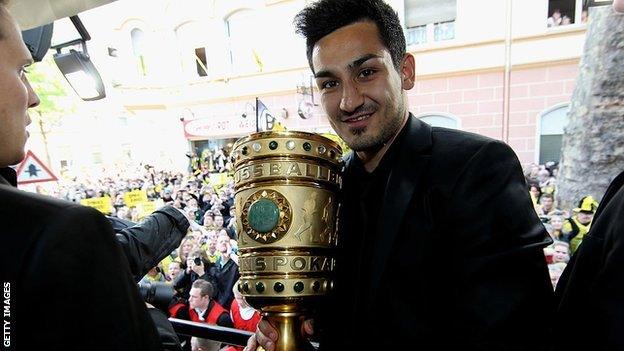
(6, 314)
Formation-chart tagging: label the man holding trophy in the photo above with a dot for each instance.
(408, 193)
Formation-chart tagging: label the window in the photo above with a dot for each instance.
(241, 31)
(441, 121)
(138, 49)
(429, 20)
(565, 12)
(200, 61)
(552, 123)
(193, 54)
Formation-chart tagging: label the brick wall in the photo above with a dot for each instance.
(476, 100)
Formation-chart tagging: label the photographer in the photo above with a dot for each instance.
(197, 267)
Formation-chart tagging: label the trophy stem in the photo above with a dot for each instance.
(289, 327)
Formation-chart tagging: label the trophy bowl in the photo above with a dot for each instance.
(287, 186)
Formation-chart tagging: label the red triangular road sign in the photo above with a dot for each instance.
(32, 170)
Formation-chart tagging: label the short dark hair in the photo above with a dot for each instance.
(325, 16)
(204, 286)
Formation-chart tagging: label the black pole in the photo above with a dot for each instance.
(213, 332)
(257, 117)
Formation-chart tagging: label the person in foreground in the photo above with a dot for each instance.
(65, 277)
(590, 292)
(439, 244)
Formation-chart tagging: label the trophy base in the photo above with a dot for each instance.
(289, 327)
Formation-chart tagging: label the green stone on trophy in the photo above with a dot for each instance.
(263, 215)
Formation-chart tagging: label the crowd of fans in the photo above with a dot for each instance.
(557, 18)
(203, 271)
(567, 227)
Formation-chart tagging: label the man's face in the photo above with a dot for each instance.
(361, 90)
(547, 203)
(584, 217)
(223, 242)
(196, 300)
(16, 95)
(212, 244)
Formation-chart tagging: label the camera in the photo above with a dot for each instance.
(197, 261)
(157, 294)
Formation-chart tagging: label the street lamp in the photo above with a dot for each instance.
(77, 67)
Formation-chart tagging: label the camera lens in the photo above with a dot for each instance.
(197, 261)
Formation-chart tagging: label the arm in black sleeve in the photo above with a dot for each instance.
(150, 241)
(182, 280)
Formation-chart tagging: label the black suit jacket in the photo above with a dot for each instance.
(68, 282)
(590, 292)
(460, 263)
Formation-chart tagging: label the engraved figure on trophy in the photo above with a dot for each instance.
(309, 209)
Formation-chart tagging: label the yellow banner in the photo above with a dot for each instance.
(146, 208)
(102, 204)
(134, 197)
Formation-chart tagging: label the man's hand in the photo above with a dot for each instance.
(266, 335)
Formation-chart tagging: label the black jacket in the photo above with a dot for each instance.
(590, 291)
(148, 242)
(459, 263)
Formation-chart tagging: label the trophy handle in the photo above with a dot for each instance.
(289, 327)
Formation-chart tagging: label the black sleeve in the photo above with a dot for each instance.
(150, 241)
(504, 298)
(182, 280)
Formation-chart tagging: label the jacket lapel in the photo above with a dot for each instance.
(403, 184)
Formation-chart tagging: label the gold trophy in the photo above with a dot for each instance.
(287, 186)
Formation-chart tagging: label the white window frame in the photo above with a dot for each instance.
(441, 114)
(538, 127)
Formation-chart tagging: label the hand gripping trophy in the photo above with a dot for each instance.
(287, 186)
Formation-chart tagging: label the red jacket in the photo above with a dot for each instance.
(239, 322)
(182, 310)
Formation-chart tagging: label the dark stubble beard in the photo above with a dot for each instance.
(376, 142)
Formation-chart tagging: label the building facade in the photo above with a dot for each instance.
(504, 69)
